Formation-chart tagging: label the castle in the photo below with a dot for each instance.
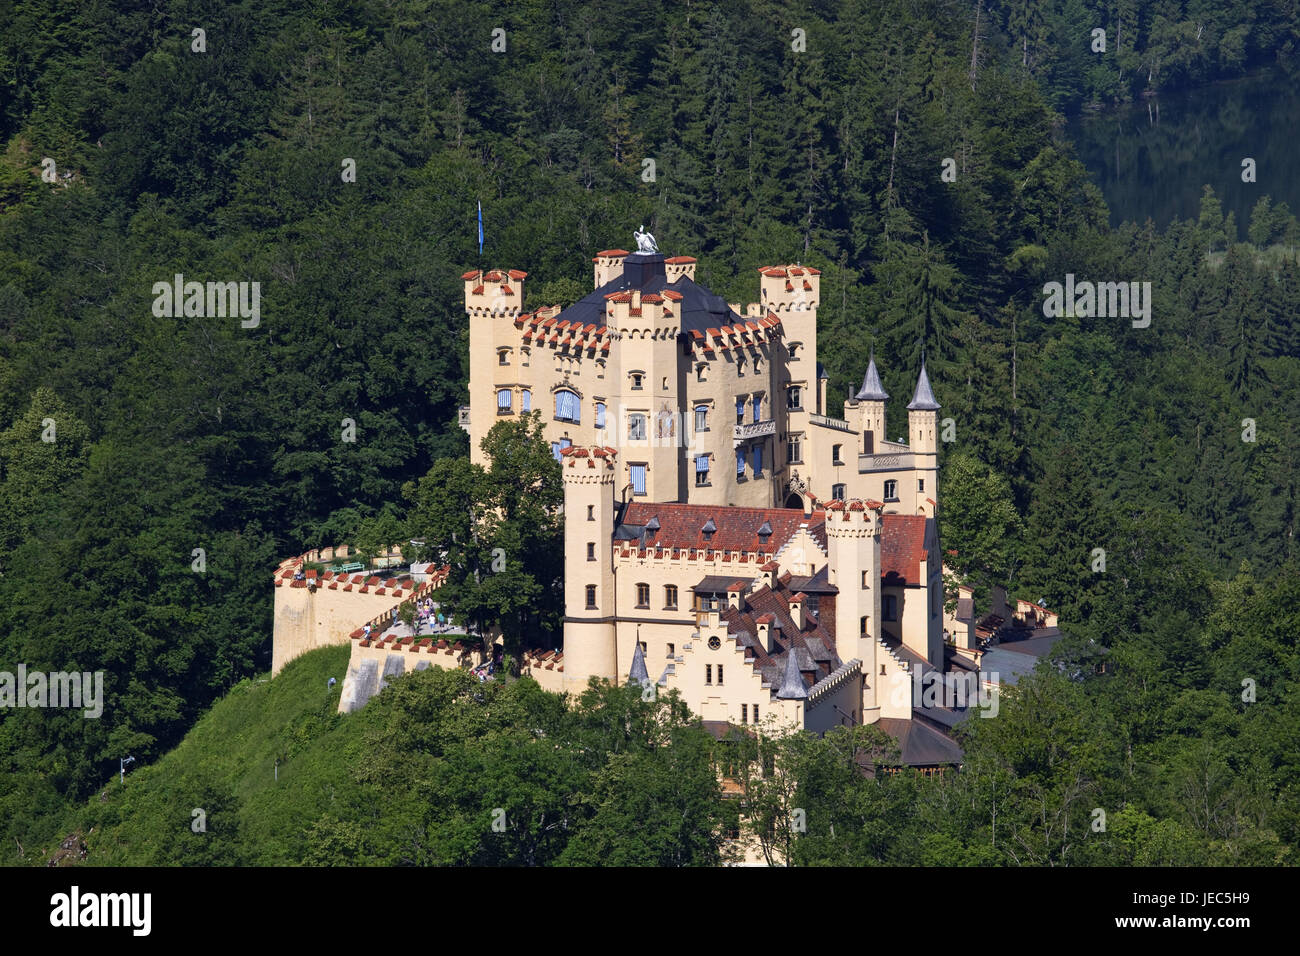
(779, 568)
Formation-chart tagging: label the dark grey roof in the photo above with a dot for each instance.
(923, 400)
(638, 674)
(920, 744)
(819, 583)
(698, 309)
(717, 583)
(872, 390)
(792, 686)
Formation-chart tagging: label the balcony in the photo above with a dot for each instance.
(755, 430)
(826, 421)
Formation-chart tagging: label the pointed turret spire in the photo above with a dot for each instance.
(792, 685)
(872, 390)
(638, 674)
(923, 400)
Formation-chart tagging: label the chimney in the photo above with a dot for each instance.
(796, 609)
(769, 574)
(735, 592)
(766, 628)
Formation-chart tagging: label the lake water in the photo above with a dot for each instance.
(1151, 158)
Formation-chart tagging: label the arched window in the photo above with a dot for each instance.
(600, 414)
(701, 418)
(504, 401)
(567, 407)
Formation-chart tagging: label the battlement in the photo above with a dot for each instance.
(752, 331)
(853, 517)
(494, 293)
(632, 314)
(679, 266)
(580, 463)
(789, 288)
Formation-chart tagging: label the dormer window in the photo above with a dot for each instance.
(708, 530)
(765, 532)
(651, 529)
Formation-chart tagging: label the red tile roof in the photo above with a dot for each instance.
(610, 252)
(902, 548)
(679, 525)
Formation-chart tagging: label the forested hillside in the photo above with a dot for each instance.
(1072, 434)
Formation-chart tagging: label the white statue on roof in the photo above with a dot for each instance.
(644, 241)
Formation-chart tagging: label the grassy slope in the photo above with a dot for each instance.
(226, 765)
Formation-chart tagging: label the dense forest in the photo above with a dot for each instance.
(777, 132)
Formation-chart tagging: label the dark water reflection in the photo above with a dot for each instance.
(1152, 158)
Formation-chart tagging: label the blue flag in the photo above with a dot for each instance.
(480, 229)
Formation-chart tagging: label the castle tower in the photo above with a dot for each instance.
(493, 301)
(869, 405)
(922, 423)
(793, 293)
(853, 543)
(590, 649)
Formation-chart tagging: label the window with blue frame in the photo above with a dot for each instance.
(638, 479)
(740, 463)
(758, 407)
(503, 401)
(526, 400)
(558, 446)
(740, 411)
(567, 407)
(758, 459)
(701, 469)
(600, 414)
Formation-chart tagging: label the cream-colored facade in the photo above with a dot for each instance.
(705, 402)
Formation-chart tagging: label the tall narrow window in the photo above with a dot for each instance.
(740, 411)
(719, 673)
(643, 595)
(758, 408)
(794, 398)
(600, 414)
(744, 713)
(670, 598)
(701, 469)
(591, 512)
(636, 427)
(591, 551)
(889, 607)
(591, 596)
(708, 673)
(701, 418)
(756, 713)
(794, 454)
(758, 460)
(740, 462)
(638, 479)
(567, 407)
(837, 455)
(526, 400)
(891, 490)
